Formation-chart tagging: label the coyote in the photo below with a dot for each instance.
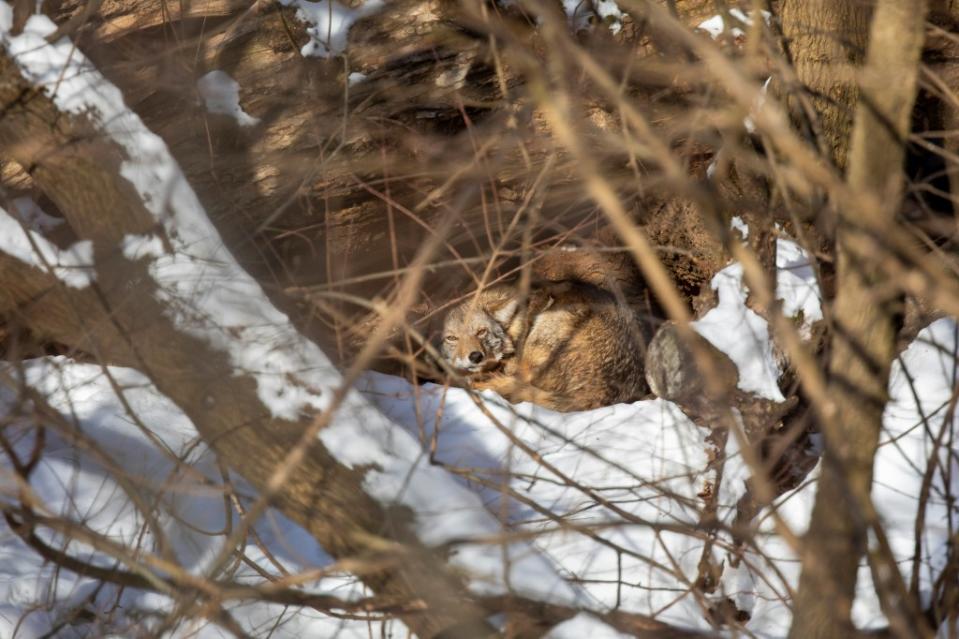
(567, 345)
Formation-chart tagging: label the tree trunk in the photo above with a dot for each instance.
(863, 342)
(826, 40)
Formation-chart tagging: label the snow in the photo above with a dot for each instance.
(76, 483)
(912, 426)
(716, 25)
(711, 169)
(172, 471)
(579, 13)
(221, 94)
(355, 78)
(741, 334)
(738, 224)
(26, 210)
(621, 483)
(136, 247)
(584, 625)
(72, 266)
(645, 462)
(748, 121)
(330, 24)
(673, 447)
(610, 13)
(445, 510)
(796, 283)
(81, 486)
(918, 427)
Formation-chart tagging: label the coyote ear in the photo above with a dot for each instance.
(505, 313)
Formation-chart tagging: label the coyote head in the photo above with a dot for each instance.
(475, 338)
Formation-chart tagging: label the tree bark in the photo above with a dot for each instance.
(826, 40)
(863, 342)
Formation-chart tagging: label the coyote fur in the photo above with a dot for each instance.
(567, 346)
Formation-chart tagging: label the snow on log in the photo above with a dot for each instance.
(221, 94)
(72, 266)
(740, 333)
(743, 335)
(329, 24)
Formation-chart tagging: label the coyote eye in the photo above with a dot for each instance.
(450, 338)
(481, 332)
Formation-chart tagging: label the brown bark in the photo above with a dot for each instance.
(864, 332)
(826, 40)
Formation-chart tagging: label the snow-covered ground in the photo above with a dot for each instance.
(610, 496)
(143, 446)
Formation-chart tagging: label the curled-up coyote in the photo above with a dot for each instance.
(567, 346)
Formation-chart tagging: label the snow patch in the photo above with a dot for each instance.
(717, 26)
(445, 511)
(916, 436)
(73, 266)
(919, 435)
(610, 13)
(796, 283)
(646, 461)
(136, 247)
(200, 284)
(741, 334)
(748, 121)
(33, 216)
(176, 475)
(580, 12)
(738, 224)
(584, 625)
(330, 24)
(221, 94)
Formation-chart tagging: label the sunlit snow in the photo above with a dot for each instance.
(716, 25)
(221, 94)
(330, 24)
(72, 266)
(740, 333)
